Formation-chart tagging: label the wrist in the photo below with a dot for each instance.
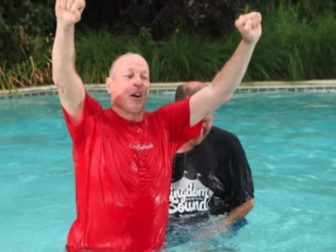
(64, 26)
(249, 43)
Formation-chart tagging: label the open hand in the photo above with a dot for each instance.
(249, 26)
(69, 11)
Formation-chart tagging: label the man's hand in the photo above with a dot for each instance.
(249, 26)
(218, 225)
(69, 12)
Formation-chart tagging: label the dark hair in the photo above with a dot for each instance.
(180, 93)
(185, 90)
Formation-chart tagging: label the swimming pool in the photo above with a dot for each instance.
(289, 138)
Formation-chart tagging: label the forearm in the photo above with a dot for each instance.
(69, 85)
(223, 223)
(63, 53)
(230, 76)
(223, 85)
(239, 212)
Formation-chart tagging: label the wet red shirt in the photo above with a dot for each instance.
(123, 174)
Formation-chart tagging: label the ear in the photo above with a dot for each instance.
(108, 84)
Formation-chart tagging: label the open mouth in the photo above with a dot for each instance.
(136, 95)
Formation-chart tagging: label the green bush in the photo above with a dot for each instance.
(97, 50)
(297, 43)
(25, 28)
(294, 48)
(20, 20)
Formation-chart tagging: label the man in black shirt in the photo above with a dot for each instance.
(211, 176)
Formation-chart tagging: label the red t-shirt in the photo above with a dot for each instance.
(123, 174)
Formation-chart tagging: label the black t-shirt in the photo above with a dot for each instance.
(213, 178)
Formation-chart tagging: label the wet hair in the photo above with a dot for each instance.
(180, 93)
(185, 90)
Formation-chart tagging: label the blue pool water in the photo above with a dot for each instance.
(289, 138)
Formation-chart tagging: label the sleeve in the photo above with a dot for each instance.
(241, 177)
(91, 108)
(177, 117)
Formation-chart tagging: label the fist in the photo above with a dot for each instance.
(249, 26)
(69, 11)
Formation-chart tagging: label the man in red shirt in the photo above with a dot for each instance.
(123, 154)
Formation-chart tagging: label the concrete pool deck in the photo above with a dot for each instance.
(249, 87)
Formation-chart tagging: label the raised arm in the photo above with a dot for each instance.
(70, 86)
(229, 77)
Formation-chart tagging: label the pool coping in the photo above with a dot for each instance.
(249, 87)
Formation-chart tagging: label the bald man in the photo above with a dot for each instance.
(122, 154)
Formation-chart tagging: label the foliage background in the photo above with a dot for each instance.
(181, 39)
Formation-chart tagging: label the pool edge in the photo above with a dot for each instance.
(252, 87)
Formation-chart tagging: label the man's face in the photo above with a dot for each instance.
(128, 85)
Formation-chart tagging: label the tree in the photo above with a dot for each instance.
(208, 17)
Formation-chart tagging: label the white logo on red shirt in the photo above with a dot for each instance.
(141, 147)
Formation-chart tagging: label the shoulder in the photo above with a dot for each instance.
(221, 138)
(176, 112)
(222, 135)
(183, 104)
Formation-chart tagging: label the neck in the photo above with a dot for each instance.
(185, 147)
(133, 117)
